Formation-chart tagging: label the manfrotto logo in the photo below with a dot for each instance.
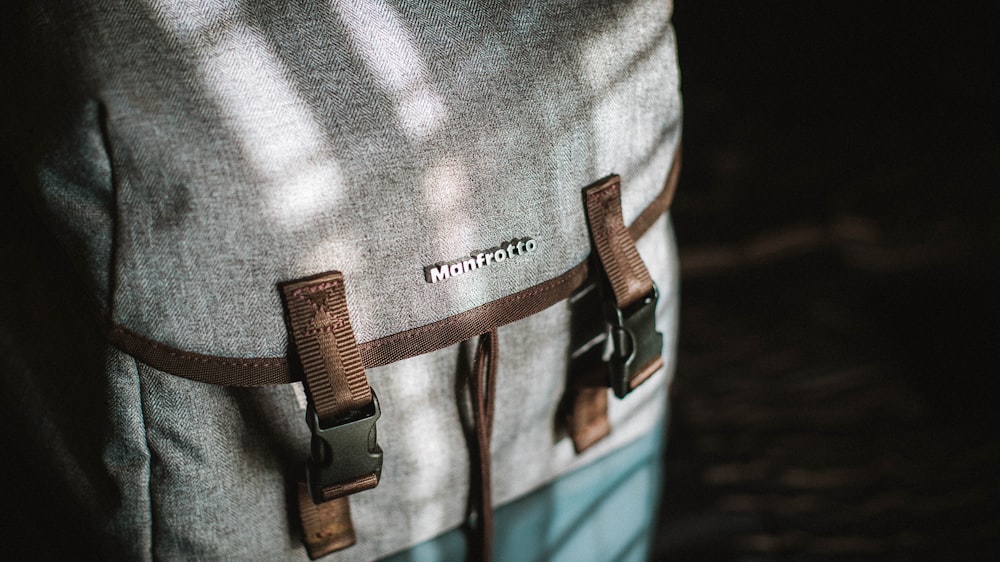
(476, 260)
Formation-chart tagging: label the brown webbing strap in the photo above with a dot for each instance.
(623, 267)
(585, 409)
(320, 329)
(628, 282)
(626, 273)
(482, 389)
(322, 339)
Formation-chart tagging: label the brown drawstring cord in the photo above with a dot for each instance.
(482, 387)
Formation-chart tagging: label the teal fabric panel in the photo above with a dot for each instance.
(603, 511)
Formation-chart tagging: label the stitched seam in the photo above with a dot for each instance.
(481, 309)
(316, 288)
(262, 362)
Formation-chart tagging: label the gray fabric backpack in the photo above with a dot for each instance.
(351, 195)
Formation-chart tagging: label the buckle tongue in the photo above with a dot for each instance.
(343, 453)
(636, 345)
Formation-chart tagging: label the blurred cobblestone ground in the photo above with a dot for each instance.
(837, 385)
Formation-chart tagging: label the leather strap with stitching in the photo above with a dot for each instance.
(326, 527)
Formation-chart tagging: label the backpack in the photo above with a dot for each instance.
(434, 232)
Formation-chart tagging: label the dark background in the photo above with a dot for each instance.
(838, 219)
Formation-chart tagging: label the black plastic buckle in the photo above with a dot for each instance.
(344, 452)
(634, 340)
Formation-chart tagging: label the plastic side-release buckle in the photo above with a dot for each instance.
(345, 455)
(636, 346)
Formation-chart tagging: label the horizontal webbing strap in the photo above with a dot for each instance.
(262, 371)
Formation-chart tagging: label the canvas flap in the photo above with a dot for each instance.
(229, 149)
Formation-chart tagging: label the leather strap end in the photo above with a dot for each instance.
(646, 372)
(327, 526)
(585, 401)
(587, 418)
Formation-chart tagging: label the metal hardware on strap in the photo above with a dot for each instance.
(636, 345)
(346, 457)
(628, 291)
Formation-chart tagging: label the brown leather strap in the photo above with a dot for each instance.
(326, 527)
(587, 417)
(626, 273)
(482, 387)
(584, 406)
